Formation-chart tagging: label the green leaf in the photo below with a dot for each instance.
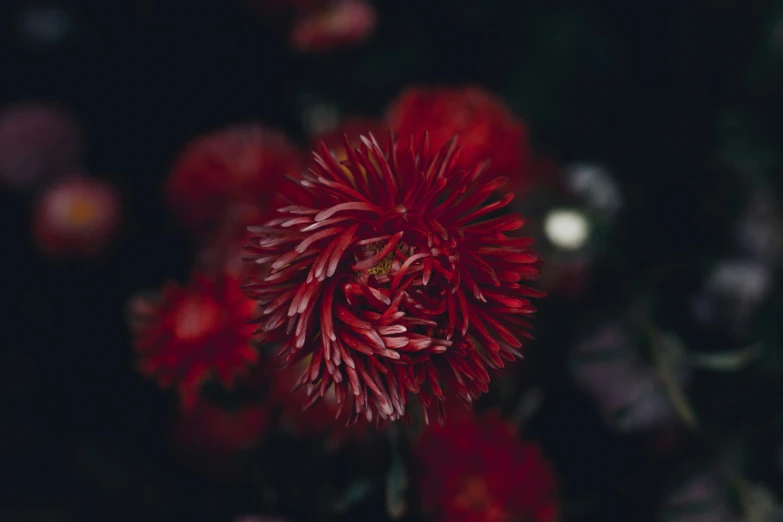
(726, 361)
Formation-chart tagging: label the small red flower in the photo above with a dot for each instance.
(244, 164)
(341, 23)
(37, 142)
(399, 278)
(486, 127)
(187, 334)
(76, 217)
(478, 470)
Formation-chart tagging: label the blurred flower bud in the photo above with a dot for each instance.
(609, 367)
(37, 143)
(732, 295)
(76, 217)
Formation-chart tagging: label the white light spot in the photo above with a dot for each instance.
(567, 229)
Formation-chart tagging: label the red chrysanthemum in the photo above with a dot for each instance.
(244, 164)
(340, 23)
(188, 334)
(397, 280)
(478, 470)
(486, 127)
(76, 216)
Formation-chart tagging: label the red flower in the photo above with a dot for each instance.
(486, 127)
(241, 164)
(338, 24)
(76, 217)
(189, 333)
(396, 280)
(477, 470)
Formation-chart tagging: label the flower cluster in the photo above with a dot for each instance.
(399, 278)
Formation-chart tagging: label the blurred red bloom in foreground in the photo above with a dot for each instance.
(338, 24)
(37, 142)
(478, 470)
(187, 334)
(76, 217)
(241, 164)
(486, 127)
(400, 278)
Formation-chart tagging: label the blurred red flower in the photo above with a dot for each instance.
(340, 23)
(485, 125)
(476, 469)
(76, 216)
(399, 279)
(187, 334)
(37, 142)
(244, 164)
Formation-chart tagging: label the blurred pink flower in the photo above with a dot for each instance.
(339, 24)
(76, 216)
(37, 142)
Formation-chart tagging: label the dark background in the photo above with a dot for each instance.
(658, 92)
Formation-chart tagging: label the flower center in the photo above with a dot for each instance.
(195, 318)
(81, 212)
(383, 267)
(475, 496)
